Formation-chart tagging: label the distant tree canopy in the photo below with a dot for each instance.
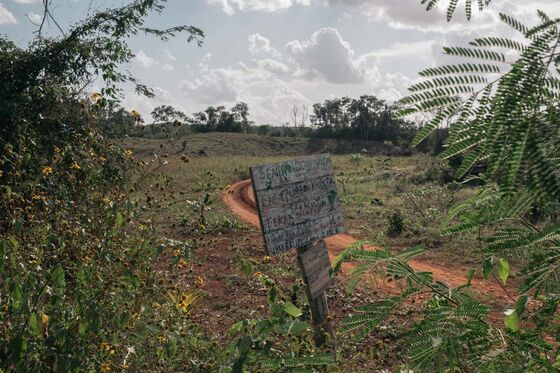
(365, 118)
(218, 119)
(166, 114)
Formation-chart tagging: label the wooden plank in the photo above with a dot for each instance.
(275, 174)
(318, 304)
(299, 235)
(316, 266)
(297, 202)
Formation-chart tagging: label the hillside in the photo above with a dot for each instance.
(217, 143)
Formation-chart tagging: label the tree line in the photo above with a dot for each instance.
(363, 118)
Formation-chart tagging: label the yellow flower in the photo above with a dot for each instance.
(257, 274)
(75, 166)
(187, 302)
(182, 263)
(106, 200)
(105, 367)
(96, 96)
(47, 170)
(266, 259)
(44, 321)
(56, 149)
(177, 252)
(129, 152)
(102, 159)
(202, 227)
(162, 338)
(199, 281)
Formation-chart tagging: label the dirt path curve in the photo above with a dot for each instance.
(241, 200)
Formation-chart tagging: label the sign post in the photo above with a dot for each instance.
(298, 207)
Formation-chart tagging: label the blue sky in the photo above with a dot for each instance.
(274, 54)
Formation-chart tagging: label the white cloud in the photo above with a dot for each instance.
(325, 56)
(218, 85)
(273, 66)
(144, 60)
(260, 86)
(147, 61)
(26, 1)
(231, 6)
(259, 44)
(6, 17)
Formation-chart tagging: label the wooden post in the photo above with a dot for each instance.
(317, 300)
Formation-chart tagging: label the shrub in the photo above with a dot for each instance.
(396, 224)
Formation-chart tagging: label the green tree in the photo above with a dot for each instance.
(167, 114)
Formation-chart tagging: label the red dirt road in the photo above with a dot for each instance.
(241, 200)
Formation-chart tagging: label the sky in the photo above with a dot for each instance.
(277, 54)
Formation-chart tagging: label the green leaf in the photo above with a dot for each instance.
(17, 297)
(470, 275)
(82, 329)
(58, 278)
(237, 327)
(118, 220)
(247, 267)
(521, 303)
(503, 269)
(171, 347)
(34, 324)
(244, 344)
(291, 310)
(487, 267)
(511, 320)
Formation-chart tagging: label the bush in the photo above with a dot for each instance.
(396, 224)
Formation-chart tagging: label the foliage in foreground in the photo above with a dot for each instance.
(504, 117)
(78, 288)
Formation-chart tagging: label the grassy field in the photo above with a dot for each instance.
(217, 144)
(395, 201)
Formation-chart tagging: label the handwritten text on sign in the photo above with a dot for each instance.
(297, 202)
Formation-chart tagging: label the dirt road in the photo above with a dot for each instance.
(241, 201)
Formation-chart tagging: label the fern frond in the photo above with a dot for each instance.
(448, 81)
(464, 68)
(491, 41)
(542, 272)
(475, 53)
(514, 23)
(432, 125)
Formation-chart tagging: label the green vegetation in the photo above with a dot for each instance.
(118, 255)
(504, 116)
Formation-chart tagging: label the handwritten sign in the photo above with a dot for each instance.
(316, 264)
(297, 202)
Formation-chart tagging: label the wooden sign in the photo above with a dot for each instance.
(315, 264)
(297, 202)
